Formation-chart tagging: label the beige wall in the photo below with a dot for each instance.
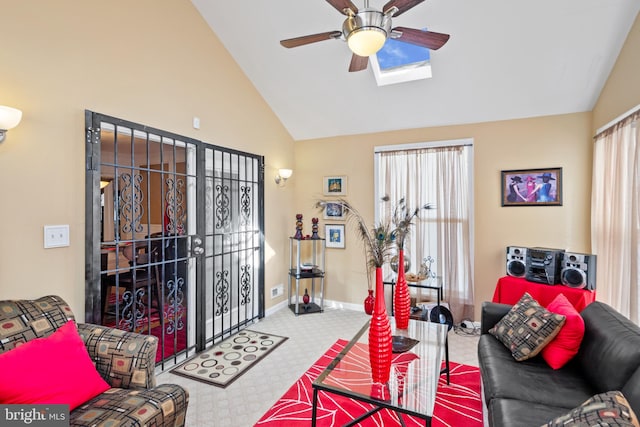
(555, 141)
(622, 90)
(564, 141)
(154, 62)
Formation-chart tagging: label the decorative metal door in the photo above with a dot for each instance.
(234, 256)
(152, 199)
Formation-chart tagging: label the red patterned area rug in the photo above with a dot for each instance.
(457, 404)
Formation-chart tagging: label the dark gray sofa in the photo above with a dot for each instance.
(530, 393)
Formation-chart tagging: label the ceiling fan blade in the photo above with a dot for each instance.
(428, 39)
(311, 38)
(341, 5)
(402, 5)
(358, 63)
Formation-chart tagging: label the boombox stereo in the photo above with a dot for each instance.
(578, 271)
(543, 265)
(516, 259)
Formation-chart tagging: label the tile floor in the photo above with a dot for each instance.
(244, 401)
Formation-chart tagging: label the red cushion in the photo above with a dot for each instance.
(52, 370)
(566, 344)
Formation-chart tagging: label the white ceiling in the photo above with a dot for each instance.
(505, 59)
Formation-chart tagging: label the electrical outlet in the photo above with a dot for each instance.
(56, 236)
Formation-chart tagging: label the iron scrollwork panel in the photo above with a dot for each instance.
(245, 203)
(222, 292)
(223, 211)
(176, 212)
(131, 197)
(175, 309)
(245, 284)
(133, 310)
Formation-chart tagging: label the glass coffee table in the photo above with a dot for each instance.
(414, 373)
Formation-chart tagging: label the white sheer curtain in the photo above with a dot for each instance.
(440, 176)
(615, 215)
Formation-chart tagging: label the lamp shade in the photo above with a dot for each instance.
(285, 173)
(9, 117)
(366, 41)
(367, 31)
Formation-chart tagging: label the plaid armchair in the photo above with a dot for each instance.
(125, 360)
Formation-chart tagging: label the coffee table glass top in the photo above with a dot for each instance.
(414, 373)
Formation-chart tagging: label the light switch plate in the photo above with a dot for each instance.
(56, 236)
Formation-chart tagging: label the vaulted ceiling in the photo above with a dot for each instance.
(505, 59)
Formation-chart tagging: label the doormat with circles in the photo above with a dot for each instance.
(223, 363)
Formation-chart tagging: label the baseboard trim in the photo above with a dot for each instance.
(327, 304)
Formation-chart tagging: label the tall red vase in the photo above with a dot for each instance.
(380, 336)
(369, 302)
(401, 297)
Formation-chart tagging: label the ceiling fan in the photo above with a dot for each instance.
(366, 30)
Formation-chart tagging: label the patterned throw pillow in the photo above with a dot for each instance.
(605, 409)
(527, 328)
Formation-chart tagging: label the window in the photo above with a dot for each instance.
(615, 213)
(399, 62)
(439, 174)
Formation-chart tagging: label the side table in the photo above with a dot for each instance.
(430, 283)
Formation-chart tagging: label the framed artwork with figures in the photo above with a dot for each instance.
(532, 187)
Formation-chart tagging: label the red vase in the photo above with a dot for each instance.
(369, 302)
(401, 297)
(380, 335)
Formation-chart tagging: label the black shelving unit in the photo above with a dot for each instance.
(306, 264)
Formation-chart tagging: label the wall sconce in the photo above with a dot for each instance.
(283, 176)
(9, 118)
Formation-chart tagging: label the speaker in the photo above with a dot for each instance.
(543, 265)
(516, 261)
(579, 271)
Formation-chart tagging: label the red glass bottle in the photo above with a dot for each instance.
(380, 336)
(369, 301)
(401, 297)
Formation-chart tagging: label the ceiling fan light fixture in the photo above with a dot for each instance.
(366, 41)
(366, 31)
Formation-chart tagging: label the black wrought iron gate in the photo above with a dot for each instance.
(174, 235)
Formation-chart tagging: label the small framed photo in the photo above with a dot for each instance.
(532, 187)
(335, 186)
(334, 210)
(334, 235)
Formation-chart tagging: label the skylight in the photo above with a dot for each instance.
(399, 62)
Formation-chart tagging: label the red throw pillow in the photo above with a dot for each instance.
(566, 344)
(53, 370)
